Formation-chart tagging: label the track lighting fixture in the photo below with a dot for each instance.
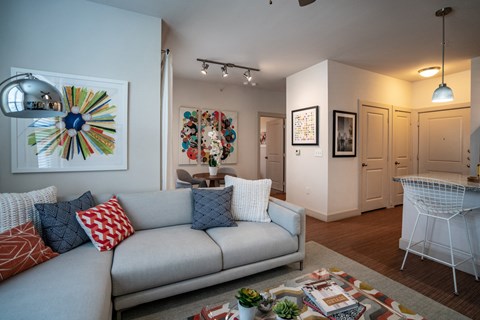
(225, 66)
(204, 68)
(224, 71)
(247, 75)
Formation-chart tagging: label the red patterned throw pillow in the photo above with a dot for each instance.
(106, 224)
(21, 248)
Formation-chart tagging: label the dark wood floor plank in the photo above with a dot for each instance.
(372, 240)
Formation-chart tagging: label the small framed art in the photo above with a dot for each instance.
(344, 134)
(305, 126)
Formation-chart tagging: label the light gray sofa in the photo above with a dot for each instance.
(163, 258)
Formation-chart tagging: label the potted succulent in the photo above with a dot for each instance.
(286, 309)
(248, 300)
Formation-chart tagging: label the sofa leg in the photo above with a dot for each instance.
(301, 265)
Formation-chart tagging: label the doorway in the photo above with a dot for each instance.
(272, 150)
(444, 141)
(385, 151)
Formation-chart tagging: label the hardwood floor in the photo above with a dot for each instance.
(372, 240)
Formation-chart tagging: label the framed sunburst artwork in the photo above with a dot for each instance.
(92, 135)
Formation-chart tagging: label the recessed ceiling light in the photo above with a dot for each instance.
(429, 72)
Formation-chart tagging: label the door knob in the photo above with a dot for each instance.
(397, 163)
(364, 164)
(468, 166)
(266, 157)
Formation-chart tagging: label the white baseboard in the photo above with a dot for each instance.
(439, 253)
(332, 216)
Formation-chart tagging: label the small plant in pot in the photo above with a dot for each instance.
(286, 309)
(248, 300)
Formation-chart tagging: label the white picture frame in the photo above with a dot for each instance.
(99, 144)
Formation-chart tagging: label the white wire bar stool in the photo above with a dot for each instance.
(438, 200)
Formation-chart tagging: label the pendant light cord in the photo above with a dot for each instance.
(443, 47)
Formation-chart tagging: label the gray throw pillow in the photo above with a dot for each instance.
(212, 208)
(61, 230)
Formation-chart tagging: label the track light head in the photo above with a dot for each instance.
(204, 68)
(247, 75)
(224, 71)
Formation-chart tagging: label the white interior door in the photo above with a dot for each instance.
(374, 137)
(402, 152)
(444, 141)
(274, 170)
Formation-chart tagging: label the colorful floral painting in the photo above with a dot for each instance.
(188, 135)
(195, 125)
(88, 127)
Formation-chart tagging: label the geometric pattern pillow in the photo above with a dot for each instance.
(106, 224)
(20, 249)
(18, 208)
(60, 228)
(250, 198)
(212, 208)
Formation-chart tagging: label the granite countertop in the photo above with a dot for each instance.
(446, 176)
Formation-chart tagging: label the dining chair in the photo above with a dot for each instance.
(228, 171)
(441, 201)
(185, 180)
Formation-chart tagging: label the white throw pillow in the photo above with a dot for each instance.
(19, 208)
(250, 198)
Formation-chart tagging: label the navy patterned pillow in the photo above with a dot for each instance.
(212, 208)
(60, 228)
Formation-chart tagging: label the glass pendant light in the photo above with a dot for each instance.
(443, 93)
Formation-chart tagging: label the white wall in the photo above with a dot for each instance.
(475, 114)
(422, 90)
(306, 175)
(347, 85)
(85, 38)
(247, 101)
(333, 182)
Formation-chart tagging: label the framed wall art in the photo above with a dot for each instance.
(305, 126)
(196, 123)
(344, 134)
(92, 135)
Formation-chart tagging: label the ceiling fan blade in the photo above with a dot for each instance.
(303, 3)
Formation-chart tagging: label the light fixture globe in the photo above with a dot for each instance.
(30, 98)
(442, 94)
(429, 72)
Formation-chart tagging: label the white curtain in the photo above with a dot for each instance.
(166, 143)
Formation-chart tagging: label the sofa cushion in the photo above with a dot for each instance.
(149, 210)
(250, 198)
(21, 248)
(18, 208)
(212, 208)
(61, 230)
(252, 242)
(75, 285)
(105, 224)
(156, 257)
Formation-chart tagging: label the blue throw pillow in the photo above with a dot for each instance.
(212, 208)
(60, 228)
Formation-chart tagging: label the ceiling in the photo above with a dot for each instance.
(390, 37)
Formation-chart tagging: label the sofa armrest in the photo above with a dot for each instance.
(287, 215)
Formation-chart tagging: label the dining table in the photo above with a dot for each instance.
(214, 180)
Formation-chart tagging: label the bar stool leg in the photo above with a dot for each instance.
(409, 242)
(452, 259)
(470, 247)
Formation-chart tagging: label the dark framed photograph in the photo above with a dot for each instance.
(305, 126)
(344, 134)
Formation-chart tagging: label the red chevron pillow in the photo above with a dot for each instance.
(106, 224)
(21, 248)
